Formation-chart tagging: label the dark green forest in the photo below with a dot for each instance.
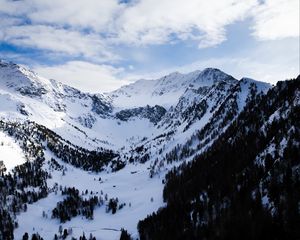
(246, 185)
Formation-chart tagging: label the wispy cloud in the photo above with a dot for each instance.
(157, 21)
(262, 63)
(90, 27)
(92, 32)
(58, 40)
(95, 15)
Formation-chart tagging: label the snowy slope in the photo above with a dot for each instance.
(131, 185)
(93, 121)
(160, 115)
(164, 91)
(198, 118)
(151, 125)
(59, 107)
(254, 162)
(10, 152)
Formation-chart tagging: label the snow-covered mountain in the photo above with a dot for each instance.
(144, 109)
(246, 185)
(25, 95)
(122, 143)
(167, 90)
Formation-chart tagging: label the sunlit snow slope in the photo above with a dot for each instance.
(11, 154)
(151, 125)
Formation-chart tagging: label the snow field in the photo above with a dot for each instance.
(130, 185)
(10, 152)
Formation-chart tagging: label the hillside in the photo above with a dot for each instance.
(99, 163)
(247, 181)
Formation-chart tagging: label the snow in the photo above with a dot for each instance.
(164, 91)
(107, 131)
(60, 107)
(131, 185)
(246, 83)
(10, 152)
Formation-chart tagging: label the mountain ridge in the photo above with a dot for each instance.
(248, 177)
(173, 85)
(67, 106)
(90, 141)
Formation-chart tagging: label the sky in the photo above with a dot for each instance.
(100, 45)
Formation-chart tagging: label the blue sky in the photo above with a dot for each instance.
(99, 45)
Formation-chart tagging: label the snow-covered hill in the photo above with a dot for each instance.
(137, 133)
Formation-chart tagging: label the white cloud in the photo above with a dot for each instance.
(94, 14)
(262, 64)
(15, 8)
(277, 19)
(91, 30)
(62, 25)
(58, 40)
(156, 21)
(73, 28)
(86, 76)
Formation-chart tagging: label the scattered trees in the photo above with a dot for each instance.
(74, 205)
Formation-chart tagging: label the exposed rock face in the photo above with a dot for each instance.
(154, 114)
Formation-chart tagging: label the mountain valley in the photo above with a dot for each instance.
(100, 166)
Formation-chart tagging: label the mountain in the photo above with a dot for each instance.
(246, 185)
(97, 120)
(166, 90)
(27, 96)
(97, 163)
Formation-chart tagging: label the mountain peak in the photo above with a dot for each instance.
(214, 75)
(16, 68)
(166, 90)
(21, 79)
(210, 70)
(4, 63)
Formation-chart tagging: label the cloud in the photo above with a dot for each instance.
(94, 14)
(86, 76)
(73, 28)
(276, 19)
(261, 63)
(268, 61)
(158, 21)
(93, 28)
(95, 31)
(58, 40)
(14, 8)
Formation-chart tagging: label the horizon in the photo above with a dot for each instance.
(142, 79)
(99, 46)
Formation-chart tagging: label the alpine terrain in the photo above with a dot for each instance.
(188, 156)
